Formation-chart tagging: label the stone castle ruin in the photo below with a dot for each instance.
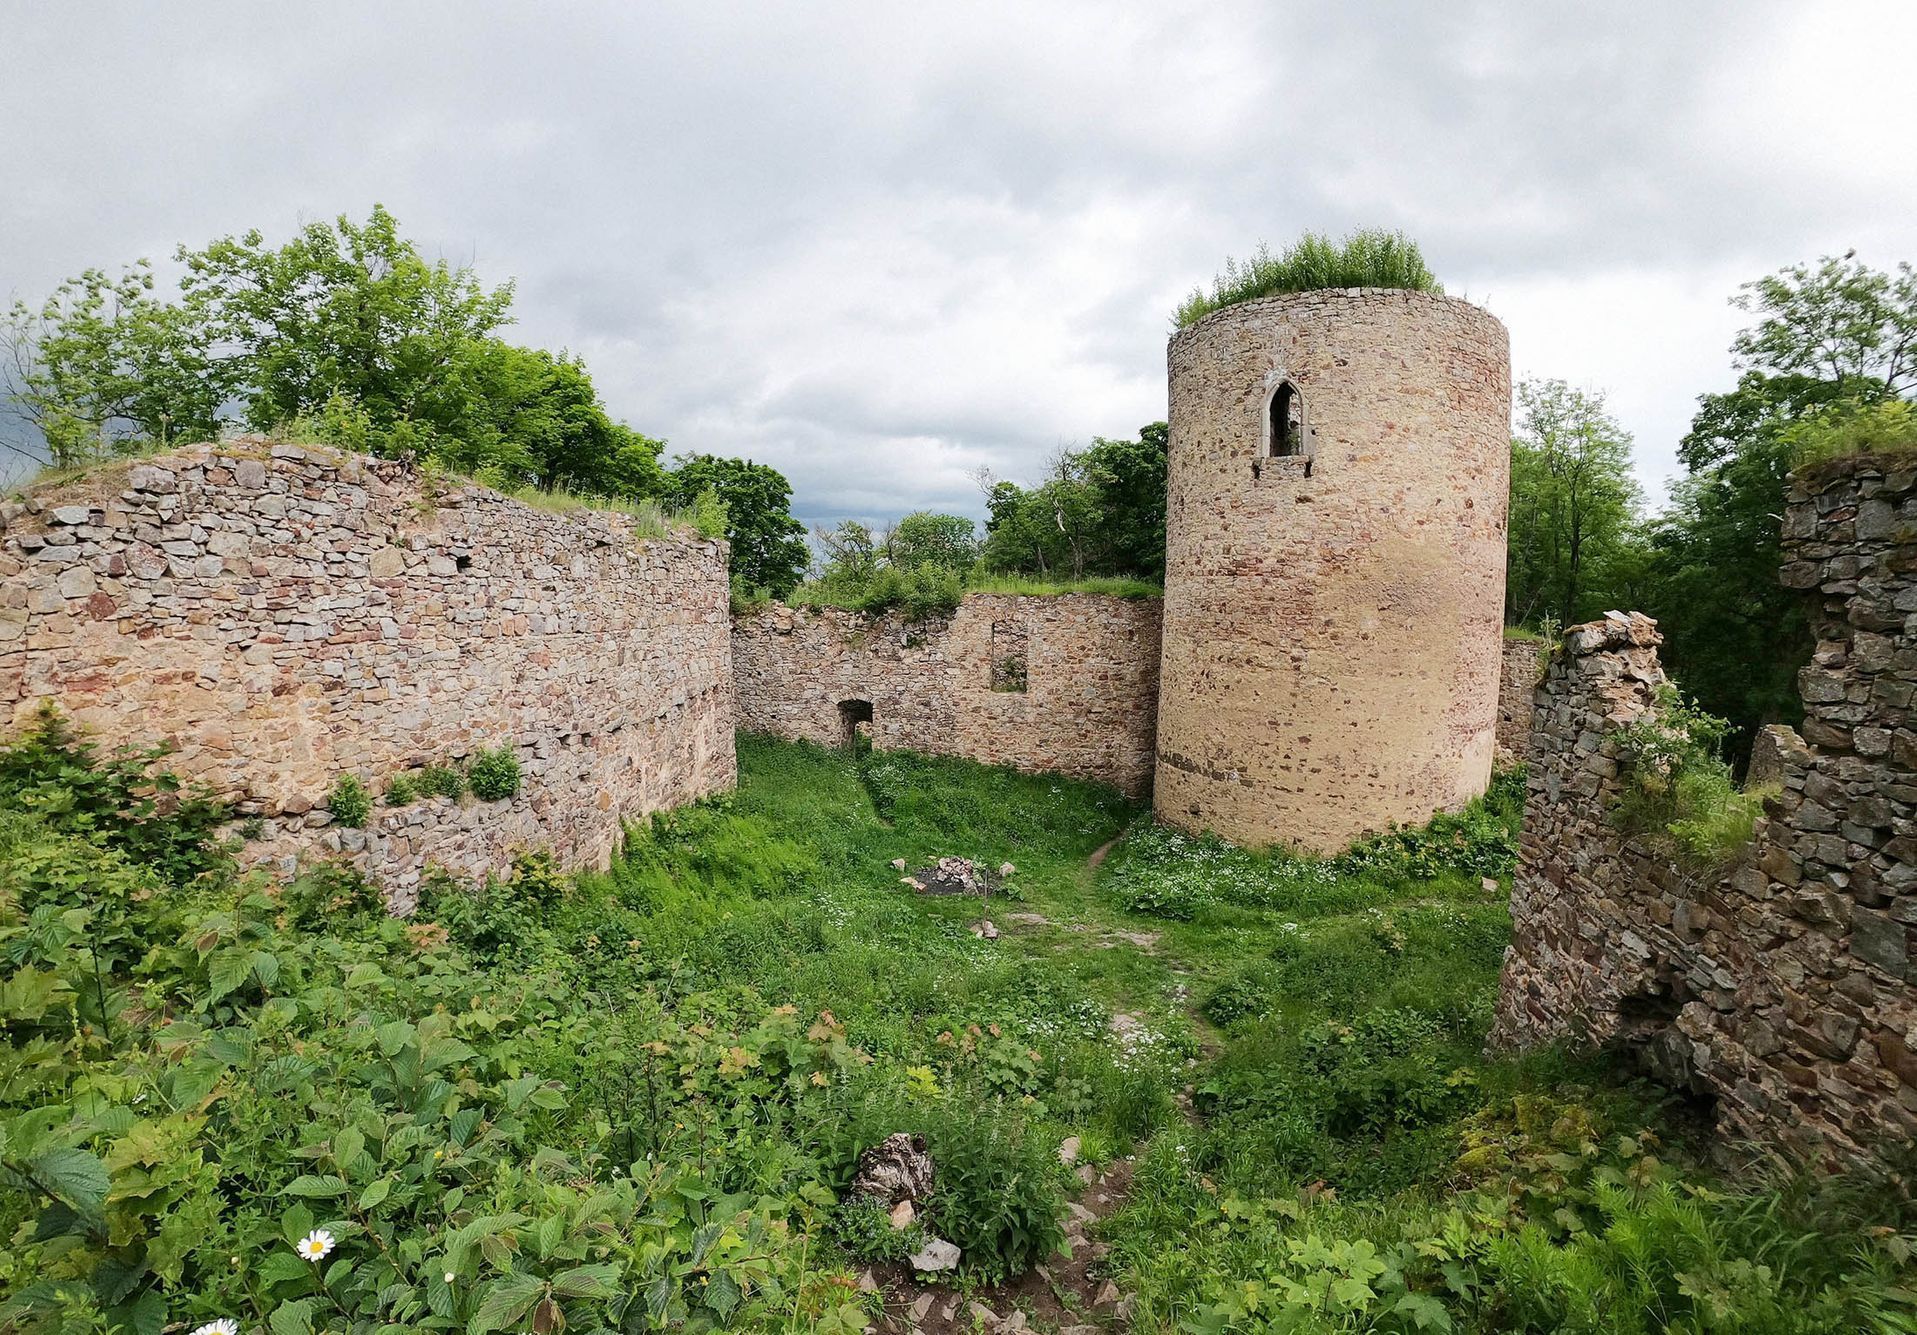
(1334, 565)
(1778, 990)
(283, 616)
(1326, 660)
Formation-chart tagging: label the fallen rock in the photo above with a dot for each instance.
(937, 1254)
(898, 864)
(896, 1169)
(1068, 1151)
(1106, 1296)
(982, 1314)
(984, 930)
(1489, 885)
(920, 1306)
(1006, 869)
(867, 1284)
(903, 1214)
(954, 876)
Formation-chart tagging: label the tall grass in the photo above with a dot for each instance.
(1112, 586)
(897, 593)
(1369, 258)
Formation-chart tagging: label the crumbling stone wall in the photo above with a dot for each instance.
(1333, 619)
(285, 616)
(1517, 681)
(1065, 683)
(1780, 989)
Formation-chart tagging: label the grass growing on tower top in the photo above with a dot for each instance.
(1369, 258)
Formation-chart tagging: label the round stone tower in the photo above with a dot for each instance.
(1334, 572)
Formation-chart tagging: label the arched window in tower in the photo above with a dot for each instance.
(1285, 429)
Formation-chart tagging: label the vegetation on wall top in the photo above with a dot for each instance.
(1096, 524)
(1827, 370)
(1372, 257)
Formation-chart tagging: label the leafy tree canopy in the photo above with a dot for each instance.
(1100, 512)
(348, 330)
(768, 544)
(1573, 503)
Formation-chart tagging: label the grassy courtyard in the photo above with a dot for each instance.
(634, 1100)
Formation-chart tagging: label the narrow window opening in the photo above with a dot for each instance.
(855, 725)
(462, 563)
(1287, 430)
(1007, 668)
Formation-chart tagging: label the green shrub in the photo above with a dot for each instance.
(1678, 787)
(862, 1227)
(999, 1191)
(1481, 840)
(1371, 258)
(402, 789)
(745, 599)
(922, 591)
(441, 781)
(707, 514)
(126, 801)
(349, 801)
(494, 774)
(1851, 429)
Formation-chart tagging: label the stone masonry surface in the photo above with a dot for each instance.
(1088, 665)
(1517, 680)
(287, 615)
(1782, 989)
(1333, 625)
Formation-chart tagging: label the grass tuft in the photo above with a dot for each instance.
(1369, 258)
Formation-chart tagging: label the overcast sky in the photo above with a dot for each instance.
(880, 245)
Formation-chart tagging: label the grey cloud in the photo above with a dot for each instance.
(877, 245)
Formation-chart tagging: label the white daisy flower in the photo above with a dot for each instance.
(315, 1246)
(226, 1325)
(450, 1276)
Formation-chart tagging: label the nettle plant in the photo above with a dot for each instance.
(226, 1104)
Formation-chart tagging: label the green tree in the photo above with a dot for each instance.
(342, 309)
(1130, 477)
(347, 326)
(1828, 339)
(949, 542)
(1839, 321)
(538, 417)
(768, 544)
(103, 364)
(1101, 511)
(1573, 503)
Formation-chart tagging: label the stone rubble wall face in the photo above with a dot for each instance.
(1517, 682)
(285, 616)
(1782, 988)
(1332, 641)
(1088, 710)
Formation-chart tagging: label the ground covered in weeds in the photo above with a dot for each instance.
(635, 1100)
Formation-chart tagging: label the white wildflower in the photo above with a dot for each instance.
(315, 1246)
(450, 1277)
(226, 1325)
